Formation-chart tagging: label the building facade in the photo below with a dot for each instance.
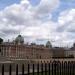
(70, 52)
(17, 49)
(58, 52)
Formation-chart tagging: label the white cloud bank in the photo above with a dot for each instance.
(35, 22)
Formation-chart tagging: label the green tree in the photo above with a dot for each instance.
(71, 56)
(1, 40)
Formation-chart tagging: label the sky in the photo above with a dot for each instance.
(38, 21)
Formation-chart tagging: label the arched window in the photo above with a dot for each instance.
(40, 56)
(0, 49)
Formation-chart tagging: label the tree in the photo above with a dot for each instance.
(1, 40)
(71, 56)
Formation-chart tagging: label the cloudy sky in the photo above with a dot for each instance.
(38, 20)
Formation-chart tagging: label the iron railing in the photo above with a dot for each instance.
(43, 68)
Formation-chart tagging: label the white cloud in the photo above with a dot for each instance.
(67, 16)
(25, 15)
(66, 26)
(24, 2)
(35, 22)
(45, 8)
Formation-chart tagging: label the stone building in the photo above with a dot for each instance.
(58, 52)
(19, 50)
(70, 52)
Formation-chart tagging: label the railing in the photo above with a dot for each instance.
(43, 68)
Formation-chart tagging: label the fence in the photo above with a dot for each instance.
(44, 68)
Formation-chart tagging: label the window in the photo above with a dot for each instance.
(40, 57)
(0, 50)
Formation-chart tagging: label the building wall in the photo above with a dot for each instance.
(25, 51)
(58, 52)
(43, 53)
(69, 52)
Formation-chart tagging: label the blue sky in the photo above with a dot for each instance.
(64, 4)
(5, 3)
(38, 20)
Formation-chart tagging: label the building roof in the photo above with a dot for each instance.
(48, 44)
(19, 39)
